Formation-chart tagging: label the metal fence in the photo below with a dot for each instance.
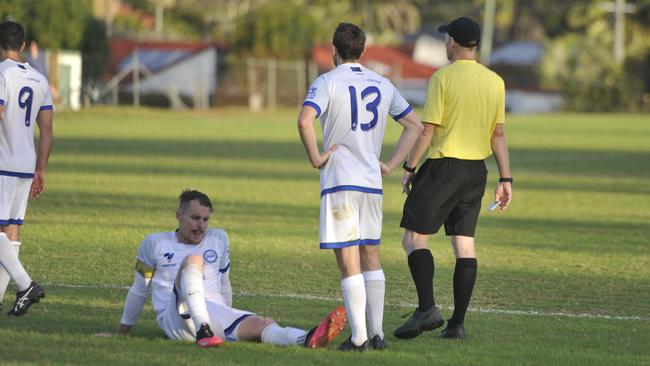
(257, 83)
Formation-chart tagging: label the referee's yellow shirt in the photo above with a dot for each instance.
(465, 100)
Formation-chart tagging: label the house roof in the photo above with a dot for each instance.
(518, 53)
(390, 62)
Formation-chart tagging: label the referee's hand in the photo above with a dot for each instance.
(407, 180)
(503, 194)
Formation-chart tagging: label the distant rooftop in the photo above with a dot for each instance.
(518, 53)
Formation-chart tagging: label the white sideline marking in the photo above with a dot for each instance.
(403, 305)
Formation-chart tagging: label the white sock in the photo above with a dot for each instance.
(375, 291)
(9, 260)
(354, 297)
(279, 336)
(4, 276)
(194, 295)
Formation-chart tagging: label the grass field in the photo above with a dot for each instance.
(564, 274)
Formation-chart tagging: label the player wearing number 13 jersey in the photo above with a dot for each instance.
(25, 101)
(353, 104)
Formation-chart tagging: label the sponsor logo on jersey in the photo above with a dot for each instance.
(311, 93)
(210, 256)
(169, 256)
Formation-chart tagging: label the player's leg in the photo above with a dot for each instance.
(354, 295)
(10, 262)
(189, 285)
(339, 230)
(266, 330)
(373, 274)
(14, 193)
(4, 275)
(253, 328)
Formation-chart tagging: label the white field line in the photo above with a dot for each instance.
(402, 305)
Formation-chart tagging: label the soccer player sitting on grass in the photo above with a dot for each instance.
(187, 272)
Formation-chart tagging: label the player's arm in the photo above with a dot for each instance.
(503, 191)
(3, 97)
(412, 128)
(136, 298)
(44, 122)
(308, 137)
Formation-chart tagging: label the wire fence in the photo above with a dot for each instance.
(256, 83)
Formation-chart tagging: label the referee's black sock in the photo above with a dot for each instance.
(422, 268)
(464, 279)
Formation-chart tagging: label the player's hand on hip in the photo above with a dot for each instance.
(324, 157)
(385, 170)
(503, 194)
(407, 180)
(38, 185)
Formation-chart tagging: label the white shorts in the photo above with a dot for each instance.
(177, 325)
(350, 218)
(14, 193)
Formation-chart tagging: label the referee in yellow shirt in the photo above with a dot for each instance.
(463, 118)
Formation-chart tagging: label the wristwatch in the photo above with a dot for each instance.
(407, 168)
(506, 180)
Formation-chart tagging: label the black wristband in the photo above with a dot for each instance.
(406, 167)
(506, 180)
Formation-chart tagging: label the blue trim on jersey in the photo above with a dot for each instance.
(356, 69)
(224, 270)
(11, 222)
(2, 102)
(21, 66)
(313, 105)
(351, 188)
(234, 324)
(16, 174)
(46, 108)
(407, 111)
(345, 244)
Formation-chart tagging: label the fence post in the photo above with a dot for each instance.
(136, 78)
(272, 70)
(301, 71)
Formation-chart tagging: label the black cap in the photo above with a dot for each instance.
(464, 31)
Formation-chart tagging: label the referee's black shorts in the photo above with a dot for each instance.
(446, 191)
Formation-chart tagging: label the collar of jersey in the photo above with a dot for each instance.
(350, 64)
(466, 61)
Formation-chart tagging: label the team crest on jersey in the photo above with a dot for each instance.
(169, 256)
(311, 93)
(210, 256)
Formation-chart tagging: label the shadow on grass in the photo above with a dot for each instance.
(589, 163)
(584, 236)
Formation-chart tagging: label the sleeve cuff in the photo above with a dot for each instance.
(401, 115)
(313, 105)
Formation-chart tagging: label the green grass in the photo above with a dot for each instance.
(575, 241)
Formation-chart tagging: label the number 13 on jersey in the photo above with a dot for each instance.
(371, 106)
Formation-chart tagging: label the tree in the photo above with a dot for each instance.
(581, 65)
(53, 24)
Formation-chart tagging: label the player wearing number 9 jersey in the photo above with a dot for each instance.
(353, 104)
(25, 101)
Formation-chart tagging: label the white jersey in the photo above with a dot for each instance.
(23, 93)
(353, 104)
(164, 254)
